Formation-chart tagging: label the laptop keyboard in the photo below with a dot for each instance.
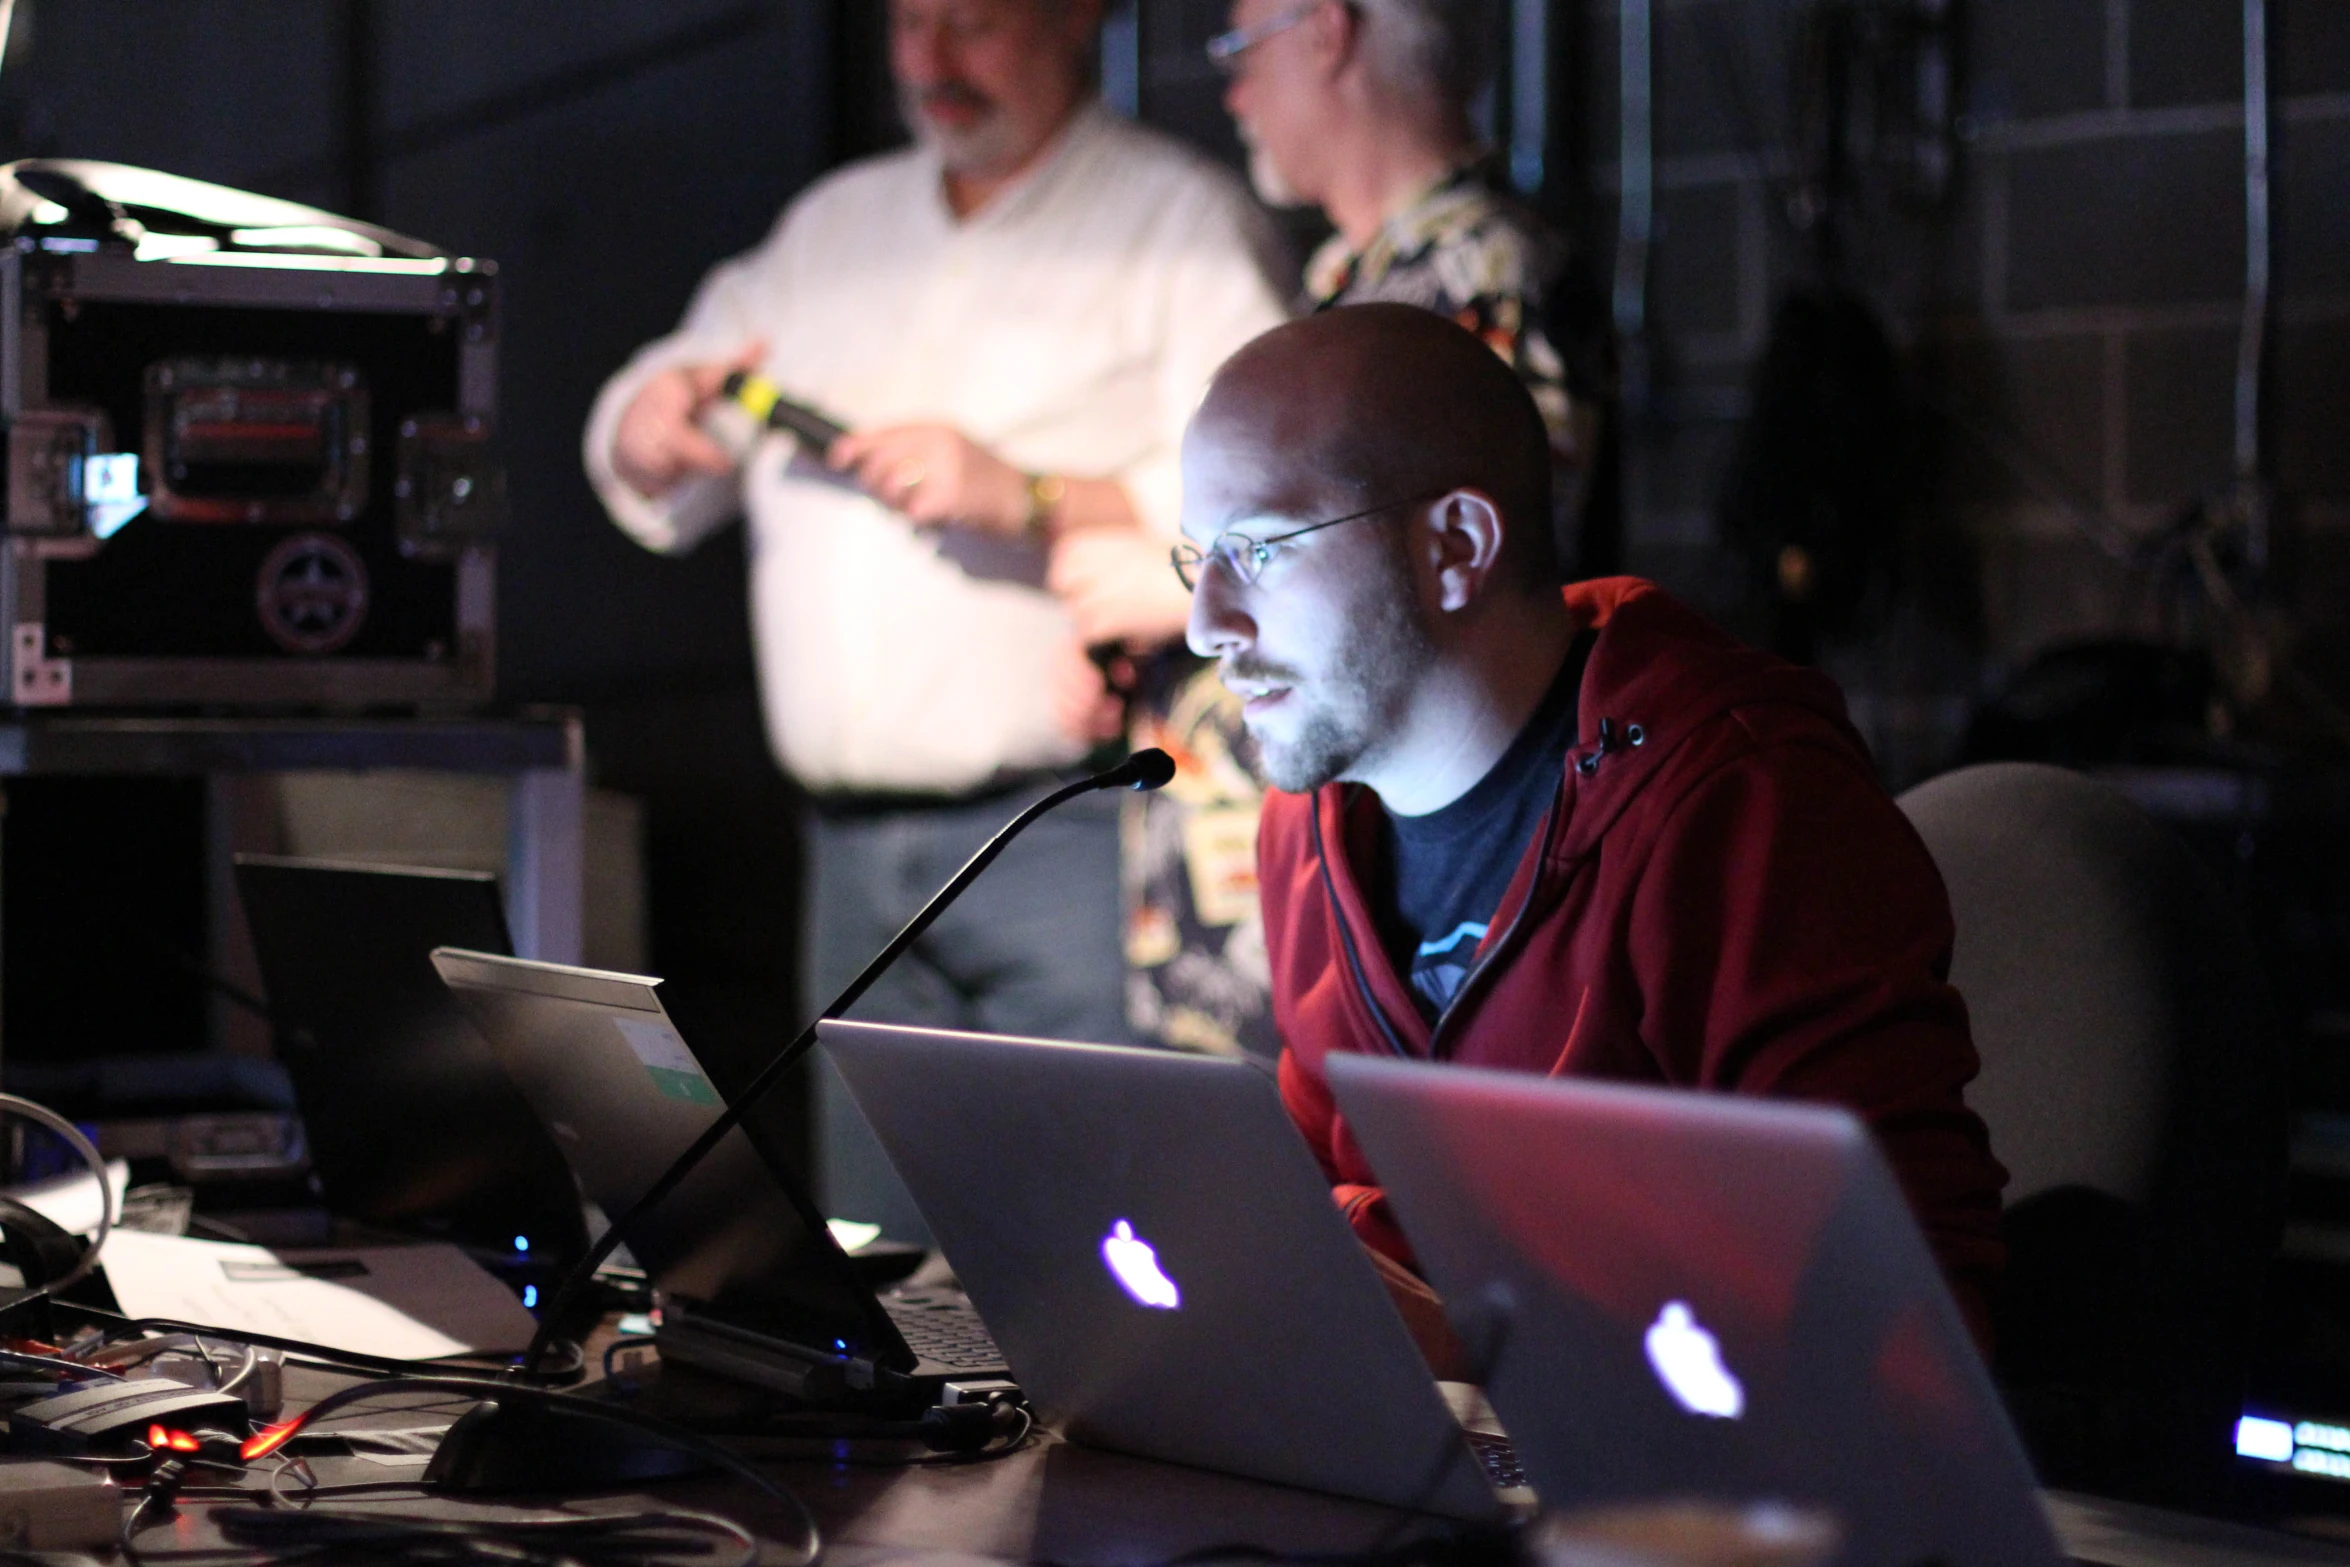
(1499, 1458)
(943, 1330)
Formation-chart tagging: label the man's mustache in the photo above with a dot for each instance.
(953, 95)
(1250, 671)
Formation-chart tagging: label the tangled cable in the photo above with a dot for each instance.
(108, 1212)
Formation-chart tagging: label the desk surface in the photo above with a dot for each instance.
(1075, 1506)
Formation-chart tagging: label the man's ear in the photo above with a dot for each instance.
(1465, 534)
(1336, 36)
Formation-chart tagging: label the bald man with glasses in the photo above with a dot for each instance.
(1360, 109)
(1576, 832)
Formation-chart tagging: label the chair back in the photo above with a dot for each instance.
(2066, 898)
(2133, 1086)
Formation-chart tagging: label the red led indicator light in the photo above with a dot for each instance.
(269, 1439)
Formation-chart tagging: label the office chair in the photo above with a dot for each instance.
(2134, 1086)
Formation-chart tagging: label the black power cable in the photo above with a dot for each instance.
(323, 1356)
(58, 1363)
(811, 1545)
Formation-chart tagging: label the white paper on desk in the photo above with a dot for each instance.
(71, 1201)
(400, 1302)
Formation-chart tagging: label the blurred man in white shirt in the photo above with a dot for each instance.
(1014, 318)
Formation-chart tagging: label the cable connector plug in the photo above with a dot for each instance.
(962, 1428)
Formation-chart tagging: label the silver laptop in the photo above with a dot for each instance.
(754, 1286)
(1698, 1294)
(1159, 1257)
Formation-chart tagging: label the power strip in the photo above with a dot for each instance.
(115, 1416)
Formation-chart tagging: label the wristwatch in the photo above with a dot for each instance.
(1046, 491)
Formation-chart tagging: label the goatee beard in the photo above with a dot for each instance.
(1265, 176)
(1364, 697)
(979, 147)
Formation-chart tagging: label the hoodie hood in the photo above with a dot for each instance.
(1659, 678)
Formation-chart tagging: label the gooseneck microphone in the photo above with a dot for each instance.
(1144, 770)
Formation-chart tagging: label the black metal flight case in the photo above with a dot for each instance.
(247, 451)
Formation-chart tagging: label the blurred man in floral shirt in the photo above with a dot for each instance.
(1362, 110)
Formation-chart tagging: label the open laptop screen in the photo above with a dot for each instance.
(598, 1058)
(413, 1124)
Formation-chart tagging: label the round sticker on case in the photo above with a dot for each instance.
(312, 593)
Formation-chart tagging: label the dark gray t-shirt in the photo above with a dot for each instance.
(1442, 875)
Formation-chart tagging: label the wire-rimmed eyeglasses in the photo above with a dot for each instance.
(1245, 557)
(1226, 50)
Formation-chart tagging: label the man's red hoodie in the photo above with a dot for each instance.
(1722, 897)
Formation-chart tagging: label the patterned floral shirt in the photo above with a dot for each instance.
(1476, 254)
(1197, 975)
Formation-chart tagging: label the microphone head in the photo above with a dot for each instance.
(1149, 768)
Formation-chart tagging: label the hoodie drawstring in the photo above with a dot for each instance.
(1610, 739)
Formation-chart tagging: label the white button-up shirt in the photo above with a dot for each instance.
(1069, 326)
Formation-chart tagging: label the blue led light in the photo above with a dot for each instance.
(530, 1296)
(841, 1344)
(522, 1243)
(2320, 1433)
(2270, 1441)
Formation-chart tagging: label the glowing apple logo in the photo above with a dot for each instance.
(1689, 1363)
(1135, 1266)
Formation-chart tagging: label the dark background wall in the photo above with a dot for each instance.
(2071, 309)
(2070, 314)
(2066, 312)
(604, 152)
